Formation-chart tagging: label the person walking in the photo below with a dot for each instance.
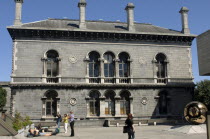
(65, 121)
(71, 122)
(58, 121)
(129, 123)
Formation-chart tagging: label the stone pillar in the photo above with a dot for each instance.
(82, 6)
(184, 17)
(102, 69)
(87, 69)
(44, 75)
(117, 106)
(131, 105)
(130, 16)
(154, 70)
(18, 12)
(88, 106)
(102, 106)
(59, 70)
(58, 105)
(117, 70)
(44, 107)
(130, 70)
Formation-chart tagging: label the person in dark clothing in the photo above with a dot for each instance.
(71, 122)
(129, 123)
(58, 121)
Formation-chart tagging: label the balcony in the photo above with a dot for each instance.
(162, 80)
(52, 79)
(109, 80)
(94, 80)
(124, 80)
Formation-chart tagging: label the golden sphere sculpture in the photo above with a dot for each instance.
(195, 112)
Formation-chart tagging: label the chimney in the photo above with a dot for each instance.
(130, 16)
(18, 11)
(184, 16)
(82, 5)
(3, 115)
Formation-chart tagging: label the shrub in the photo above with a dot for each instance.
(19, 122)
(27, 121)
(3, 97)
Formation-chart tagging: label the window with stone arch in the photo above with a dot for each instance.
(94, 64)
(161, 64)
(124, 65)
(94, 103)
(51, 66)
(124, 102)
(50, 104)
(110, 102)
(163, 103)
(109, 65)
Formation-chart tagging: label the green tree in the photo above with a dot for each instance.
(202, 92)
(3, 97)
(18, 122)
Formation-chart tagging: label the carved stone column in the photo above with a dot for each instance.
(154, 70)
(44, 75)
(131, 105)
(88, 105)
(102, 106)
(131, 70)
(87, 60)
(59, 70)
(44, 107)
(117, 106)
(102, 69)
(58, 105)
(117, 70)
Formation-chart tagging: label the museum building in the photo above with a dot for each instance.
(100, 69)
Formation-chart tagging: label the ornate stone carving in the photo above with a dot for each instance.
(72, 59)
(144, 100)
(73, 101)
(142, 61)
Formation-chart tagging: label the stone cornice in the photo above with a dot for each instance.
(90, 86)
(45, 34)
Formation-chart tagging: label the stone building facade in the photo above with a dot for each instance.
(99, 69)
(203, 44)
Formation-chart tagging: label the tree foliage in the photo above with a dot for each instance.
(3, 97)
(202, 92)
(20, 122)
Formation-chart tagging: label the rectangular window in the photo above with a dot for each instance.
(48, 108)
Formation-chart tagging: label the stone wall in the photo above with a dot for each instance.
(203, 44)
(29, 101)
(28, 66)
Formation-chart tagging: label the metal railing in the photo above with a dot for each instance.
(94, 80)
(109, 80)
(162, 80)
(124, 80)
(52, 80)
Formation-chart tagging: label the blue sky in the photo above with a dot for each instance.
(163, 13)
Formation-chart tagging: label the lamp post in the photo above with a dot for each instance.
(208, 124)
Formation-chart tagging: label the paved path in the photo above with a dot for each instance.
(142, 132)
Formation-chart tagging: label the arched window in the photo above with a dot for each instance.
(124, 103)
(109, 67)
(51, 103)
(161, 68)
(110, 103)
(124, 65)
(94, 103)
(94, 67)
(52, 66)
(163, 102)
